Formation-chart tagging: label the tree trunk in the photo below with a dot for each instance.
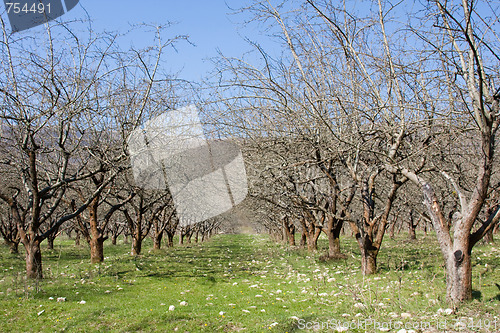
(289, 229)
(113, 239)
(334, 245)
(77, 238)
(157, 241)
(312, 240)
(170, 240)
(488, 237)
(369, 254)
(333, 233)
(33, 260)
(458, 277)
(392, 230)
(411, 231)
(369, 262)
(136, 246)
(303, 238)
(96, 250)
(50, 243)
(13, 246)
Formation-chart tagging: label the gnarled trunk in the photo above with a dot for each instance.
(333, 232)
(303, 238)
(289, 229)
(157, 241)
(369, 262)
(136, 246)
(50, 243)
(96, 250)
(77, 237)
(13, 246)
(458, 276)
(33, 260)
(334, 246)
(170, 237)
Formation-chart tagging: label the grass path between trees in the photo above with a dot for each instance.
(245, 283)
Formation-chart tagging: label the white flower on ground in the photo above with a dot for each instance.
(405, 315)
(273, 324)
(171, 308)
(258, 296)
(183, 303)
(82, 302)
(51, 298)
(222, 313)
(294, 318)
(246, 311)
(61, 299)
(359, 305)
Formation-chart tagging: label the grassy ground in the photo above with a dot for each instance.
(244, 282)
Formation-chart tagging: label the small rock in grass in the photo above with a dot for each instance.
(258, 295)
(82, 302)
(246, 311)
(61, 299)
(183, 303)
(405, 315)
(171, 308)
(273, 324)
(107, 291)
(51, 298)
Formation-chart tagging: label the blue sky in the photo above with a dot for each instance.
(209, 25)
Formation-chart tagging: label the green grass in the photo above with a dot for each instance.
(258, 285)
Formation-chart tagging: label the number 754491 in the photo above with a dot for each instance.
(17, 7)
